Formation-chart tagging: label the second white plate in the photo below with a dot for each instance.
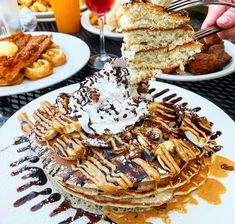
(77, 53)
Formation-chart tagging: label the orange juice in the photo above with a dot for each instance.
(67, 14)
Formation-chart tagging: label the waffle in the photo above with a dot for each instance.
(165, 153)
(28, 56)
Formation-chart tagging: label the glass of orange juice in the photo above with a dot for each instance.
(67, 15)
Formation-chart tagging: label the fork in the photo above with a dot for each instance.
(178, 5)
(207, 32)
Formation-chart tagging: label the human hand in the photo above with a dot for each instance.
(223, 17)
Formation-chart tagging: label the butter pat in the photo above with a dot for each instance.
(7, 49)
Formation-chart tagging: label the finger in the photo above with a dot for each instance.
(227, 20)
(228, 34)
(214, 12)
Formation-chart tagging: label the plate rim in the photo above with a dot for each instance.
(90, 28)
(62, 78)
(44, 20)
(83, 7)
(51, 14)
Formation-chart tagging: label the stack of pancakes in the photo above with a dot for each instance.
(155, 40)
(164, 154)
(23, 55)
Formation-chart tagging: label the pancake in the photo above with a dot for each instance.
(145, 14)
(163, 57)
(137, 40)
(155, 40)
(146, 63)
(166, 152)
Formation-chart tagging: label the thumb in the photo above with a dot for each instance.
(214, 12)
(227, 20)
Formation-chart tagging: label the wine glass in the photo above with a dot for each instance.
(100, 8)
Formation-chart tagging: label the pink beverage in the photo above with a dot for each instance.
(100, 7)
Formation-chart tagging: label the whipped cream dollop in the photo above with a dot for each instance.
(105, 103)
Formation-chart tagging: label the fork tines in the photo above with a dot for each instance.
(207, 32)
(182, 4)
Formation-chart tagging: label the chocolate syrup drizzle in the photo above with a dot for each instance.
(41, 179)
(20, 140)
(93, 218)
(52, 198)
(35, 172)
(23, 149)
(31, 195)
(31, 159)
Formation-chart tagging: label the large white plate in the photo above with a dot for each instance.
(77, 53)
(203, 213)
(46, 20)
(93, 29)
(188, 77)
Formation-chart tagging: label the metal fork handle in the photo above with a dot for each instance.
(199, 3)
(218, 2)
(207, 32)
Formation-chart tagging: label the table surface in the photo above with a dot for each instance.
(219, 91)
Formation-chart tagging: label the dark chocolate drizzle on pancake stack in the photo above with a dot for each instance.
(142, 153)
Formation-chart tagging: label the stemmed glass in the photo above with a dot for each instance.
(100, 8)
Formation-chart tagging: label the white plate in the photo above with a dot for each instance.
(52, 19)
(46, 20)
(188, 77)
(202, 213)
(93, 29)
(51, 14)
(44, 14)
(77, 53)
(83, 7)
